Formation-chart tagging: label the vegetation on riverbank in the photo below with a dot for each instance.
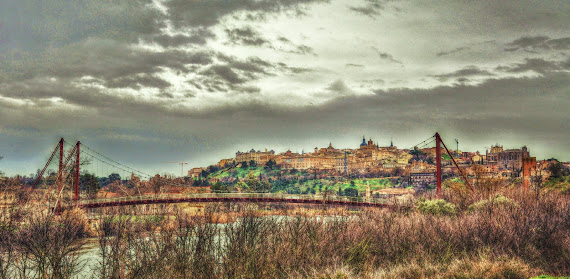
(516, 234)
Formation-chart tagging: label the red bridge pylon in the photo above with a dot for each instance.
(438, 141)
(62, 175)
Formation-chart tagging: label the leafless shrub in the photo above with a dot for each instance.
(242, 241)
(7, 247)
(48, 245)
(534, 235)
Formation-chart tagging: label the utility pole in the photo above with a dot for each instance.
(181, 165)
(457, 149)
(345, 170)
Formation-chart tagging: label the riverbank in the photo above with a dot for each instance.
(507, 234)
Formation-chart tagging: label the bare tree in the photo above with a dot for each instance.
(53, 244)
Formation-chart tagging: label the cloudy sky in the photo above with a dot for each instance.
(197, 80)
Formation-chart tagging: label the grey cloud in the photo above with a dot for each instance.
(455, 50)
(537, 65)
(208, 13)
(565, 64)
(293, 48)
(38, 105)
(233, 73)
(253, 16)
(108, 63)
(94, 103)
(252, 64)
(538, 43)
(295, 70)
(108, 60)
(199, 36)
(137, 82)
(225, 72)
(284, 68)
(94, 39)
(526, 42)
(502, 18)
(245, 36)
(372, 8)
(166, 95)
(386, 56)
(33, 25)
(462, 80)
(374, 81)
(560, 44)
(462, 73)
(338, 86)
(248, 89)
(189, 95)
(335, 89)
(354, 65)
(303, 49)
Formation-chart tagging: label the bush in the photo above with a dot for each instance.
(562, 184)
(496, 201)
(549, 277)
(357, 256)
(522, 241)
(436, 207)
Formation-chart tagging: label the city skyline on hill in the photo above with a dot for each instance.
(214, 160)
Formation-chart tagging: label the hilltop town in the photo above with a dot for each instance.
(402, 168)
(369, 170)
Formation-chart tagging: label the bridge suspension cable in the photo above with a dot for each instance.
(115, 163)
(426, 144)
(111, 162)
(423, 143)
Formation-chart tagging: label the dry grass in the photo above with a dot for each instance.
(528, 237)
(481, 267)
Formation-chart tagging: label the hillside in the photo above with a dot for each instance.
(299, 181)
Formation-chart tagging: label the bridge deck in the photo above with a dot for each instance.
(234, 197)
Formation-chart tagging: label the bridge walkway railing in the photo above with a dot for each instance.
(228, 196)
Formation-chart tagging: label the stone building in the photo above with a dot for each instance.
(512, 159)
(422, 179)
(493, 155)
(259, 157)
(290, 160)
(329, 151)
(195, 172)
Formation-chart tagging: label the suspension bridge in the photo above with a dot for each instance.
(78, 156)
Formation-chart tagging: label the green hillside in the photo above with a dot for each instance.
(296, 182)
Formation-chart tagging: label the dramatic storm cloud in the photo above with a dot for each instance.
(161, 80)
